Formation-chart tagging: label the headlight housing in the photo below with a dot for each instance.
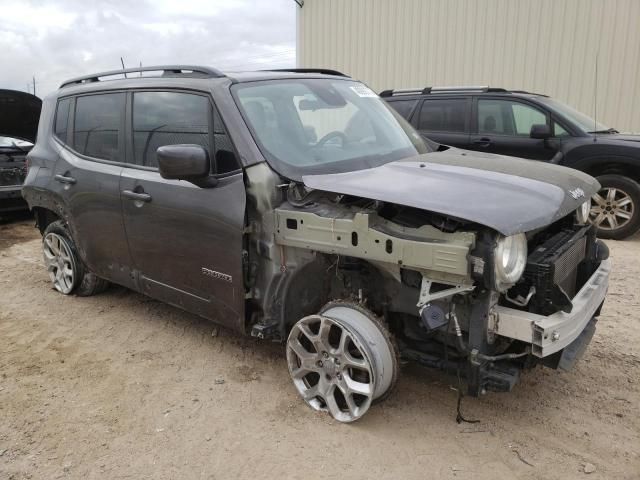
(510, 259)
(582, 213)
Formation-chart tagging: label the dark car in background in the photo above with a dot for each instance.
(19, 115)
(536, 127)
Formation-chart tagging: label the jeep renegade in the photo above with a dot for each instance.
(297, 206)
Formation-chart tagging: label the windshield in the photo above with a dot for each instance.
(585, 122)
(309, 126)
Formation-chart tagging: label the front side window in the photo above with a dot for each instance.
(168, 118)
(97, 125)
(306, 126)
(443, 115)
(504, 117)
(62, 119)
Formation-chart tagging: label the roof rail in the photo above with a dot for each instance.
(167, 70)
(324, 71)
(449, 89)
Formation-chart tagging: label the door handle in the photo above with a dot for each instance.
(63, 179)
(484, 142)
(141, 197)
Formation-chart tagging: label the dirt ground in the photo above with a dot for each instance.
(120, 386)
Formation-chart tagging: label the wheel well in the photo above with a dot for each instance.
(44, 217)
(333, 277)
(613, 168)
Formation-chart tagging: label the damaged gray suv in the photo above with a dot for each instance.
(296, 206)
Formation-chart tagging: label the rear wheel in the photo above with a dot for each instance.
(615, 209)
(66, 269)
(341, 360)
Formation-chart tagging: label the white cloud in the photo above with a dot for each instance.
(56, 40)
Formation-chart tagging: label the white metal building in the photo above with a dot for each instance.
(543, 46)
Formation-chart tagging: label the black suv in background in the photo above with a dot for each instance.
(537, 127)
(19, 115)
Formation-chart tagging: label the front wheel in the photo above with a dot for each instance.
(341, 360)
(615, 209)
(66, 269)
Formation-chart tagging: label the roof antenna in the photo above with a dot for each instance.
(595, 103)
(122, 62)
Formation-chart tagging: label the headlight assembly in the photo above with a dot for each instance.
(510, 259)
(582, 213)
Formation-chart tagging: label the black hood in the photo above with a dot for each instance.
(510, 195)
(19, 115)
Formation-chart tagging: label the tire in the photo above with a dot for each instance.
(615, 209)
(342, 360)
(66, 269)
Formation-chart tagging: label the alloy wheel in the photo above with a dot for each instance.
(611, 208)
(340, 362)
(59, 261)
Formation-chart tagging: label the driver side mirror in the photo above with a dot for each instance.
(540, 131)
(185, 162)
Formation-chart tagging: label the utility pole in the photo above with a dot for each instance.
(34, 84)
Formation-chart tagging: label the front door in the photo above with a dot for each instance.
(503, 126)
(87, 179)
(186, 241)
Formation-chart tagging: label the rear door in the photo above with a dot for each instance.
(503, 126)
(186, 241)
(444, 119)
(89, 135)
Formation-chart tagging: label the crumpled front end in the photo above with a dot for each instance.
(548, 317)
(435, 279)
(559, 297)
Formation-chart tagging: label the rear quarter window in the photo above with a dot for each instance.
(62, 119)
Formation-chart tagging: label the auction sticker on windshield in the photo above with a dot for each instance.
(363, 91)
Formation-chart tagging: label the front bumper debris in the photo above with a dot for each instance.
(550, 334)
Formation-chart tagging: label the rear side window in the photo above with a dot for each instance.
(97, 125)
(62, 119)
(443, 115)
(403, 107)
(168, 118)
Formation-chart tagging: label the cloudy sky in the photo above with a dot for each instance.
(56, 40)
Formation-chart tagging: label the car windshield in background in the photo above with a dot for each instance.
(585, 122)
(309, 126)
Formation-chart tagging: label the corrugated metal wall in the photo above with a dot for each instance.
(546, 46)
